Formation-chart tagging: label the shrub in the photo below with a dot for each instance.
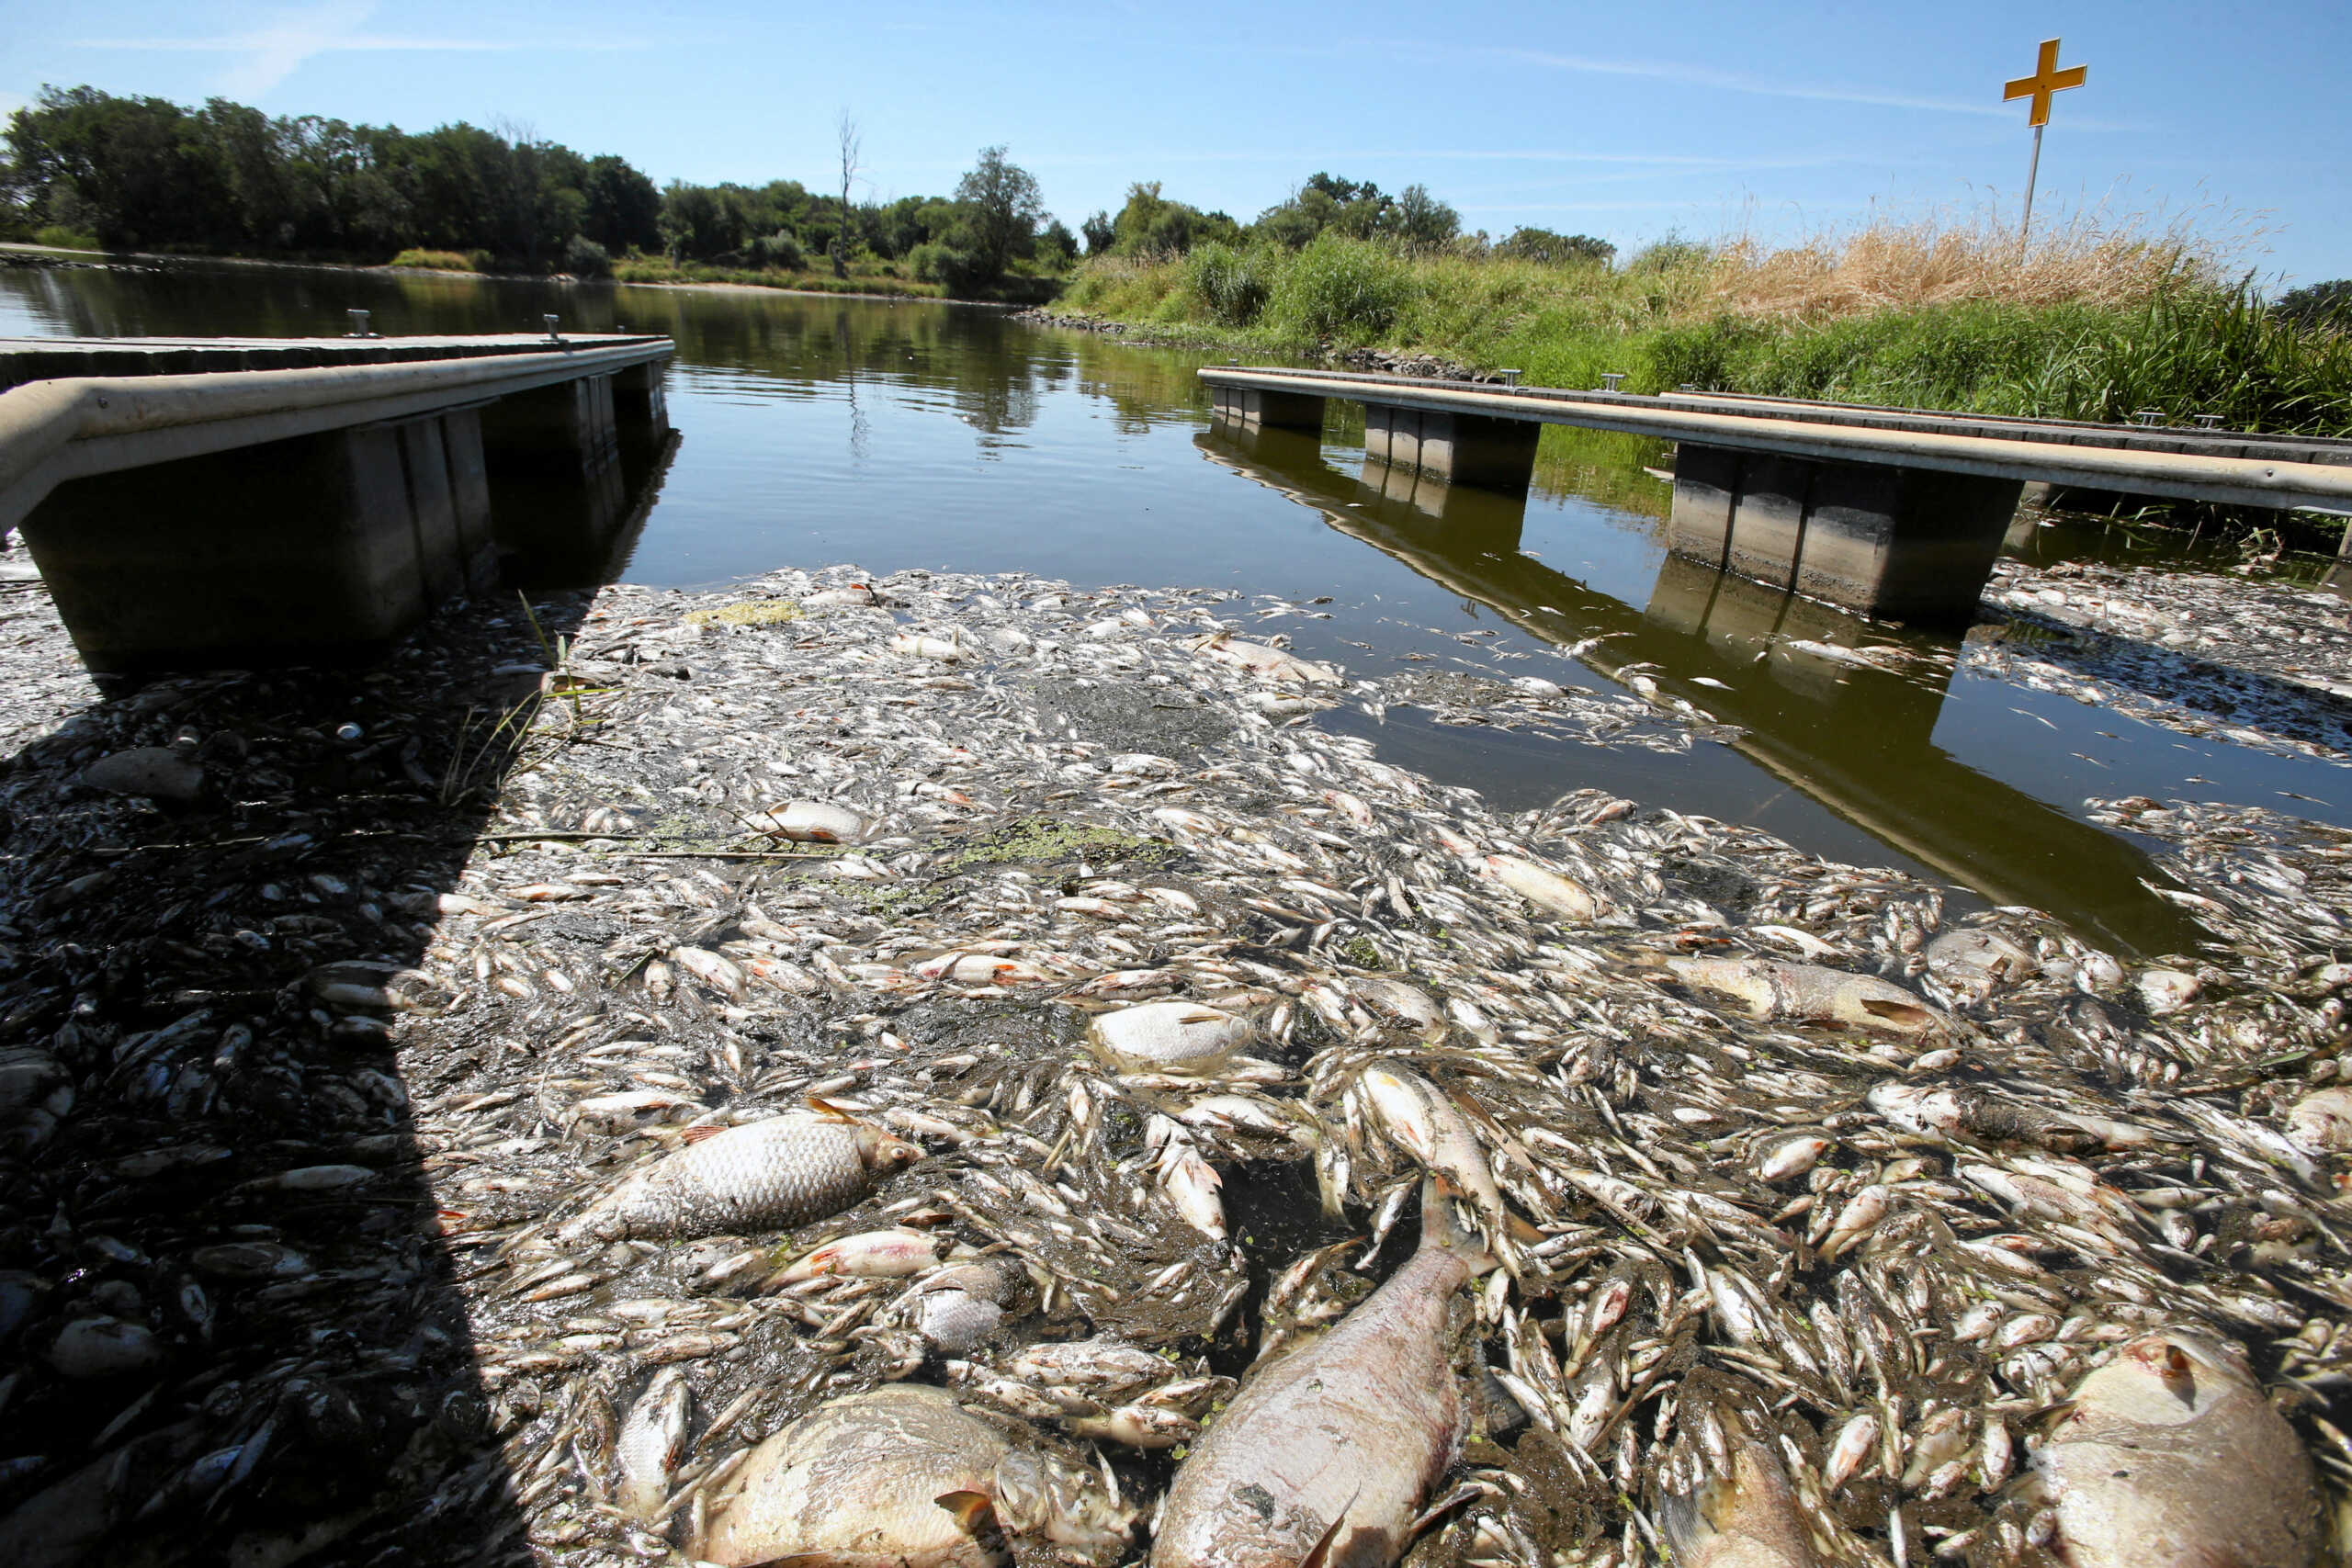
(1555, 250)
(1348, 291)
(1233, 284)
(583, 257)
(780, 251)
(958, 272)
(443, 260)
(58, 237)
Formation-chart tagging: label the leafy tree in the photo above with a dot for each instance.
(1420, 218)
(1004, 207)
(624, 208)
(1559, 250)
(1100, 231)
(1057, 246)
(2325, 304)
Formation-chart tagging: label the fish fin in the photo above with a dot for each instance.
(1442, 1228)
(974, 1511)
(1910, 1015)
(702, 1132)
(1520, 1232)
(1320, 1556)
(828, 1110)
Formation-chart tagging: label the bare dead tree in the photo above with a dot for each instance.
(847, 132)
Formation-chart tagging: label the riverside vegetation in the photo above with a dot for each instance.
(2097, 319)
(85, 169)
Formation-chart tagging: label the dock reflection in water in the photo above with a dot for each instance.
(1857, 739)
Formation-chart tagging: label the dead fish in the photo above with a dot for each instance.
(902, 1476)
(958, 1307)
(1807, 994)
(831, 598)
(1328, 1454)
(870, 1254)
(817, 822)
(1398, 1001)
(1426, 1125)
(1950, 1109)
(2322, 1120)
(1169, 1037)
(1103, 1367)
(1746, 1517)
(1545, 889)
(1273, 663)
(651, 1442)
(770, 1175)
(1190, 1181)
(1977, 960)
(947, 650)
(2170, 1453)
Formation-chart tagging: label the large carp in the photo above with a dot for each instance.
(902, 1476)
(2170, 1453)
(1328, 1453)
(761, 1176)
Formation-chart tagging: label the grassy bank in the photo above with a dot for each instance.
(2091, 324)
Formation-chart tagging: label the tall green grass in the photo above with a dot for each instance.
(2091, 325)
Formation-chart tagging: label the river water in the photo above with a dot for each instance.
(913, 435)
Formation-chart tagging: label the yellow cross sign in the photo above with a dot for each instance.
(2046, 79)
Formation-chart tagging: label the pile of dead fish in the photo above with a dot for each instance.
(951, 1070)
(2266, 665)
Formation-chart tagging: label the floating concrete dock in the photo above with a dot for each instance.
(1892, 513)
(212, 501)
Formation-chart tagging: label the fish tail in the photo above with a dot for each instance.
(1441, 1225)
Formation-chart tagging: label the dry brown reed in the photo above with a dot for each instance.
(2101, 255)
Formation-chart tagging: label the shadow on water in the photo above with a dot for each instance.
(230, 1322)
(1857, 739)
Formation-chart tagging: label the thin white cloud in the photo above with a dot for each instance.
(271, 53)
(1777, 87)
(1741, 82)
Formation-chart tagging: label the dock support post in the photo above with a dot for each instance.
(640, 401)
(321, 549)
(556, 486)
(1460, 448)
(1261, 408)
(1906, 543)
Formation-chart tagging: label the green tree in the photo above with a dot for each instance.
(1420, 218)
(1004, 209)
(1100, 234)
(624, 208)
(1558, 249)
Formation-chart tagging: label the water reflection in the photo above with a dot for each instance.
(1857, 739)
(902, 435)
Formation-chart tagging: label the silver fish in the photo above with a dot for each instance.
(1334, 1448)
(651, 1443)
(1175, 1037)
(904, 1477)
(1805, 993)
(770, 1175)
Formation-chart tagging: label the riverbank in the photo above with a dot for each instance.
(321, 1052)
(2096, 333)
(636, 273)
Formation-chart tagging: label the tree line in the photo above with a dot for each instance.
(1152, 225)
(147, 174)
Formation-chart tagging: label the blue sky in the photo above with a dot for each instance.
(1626, 122)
